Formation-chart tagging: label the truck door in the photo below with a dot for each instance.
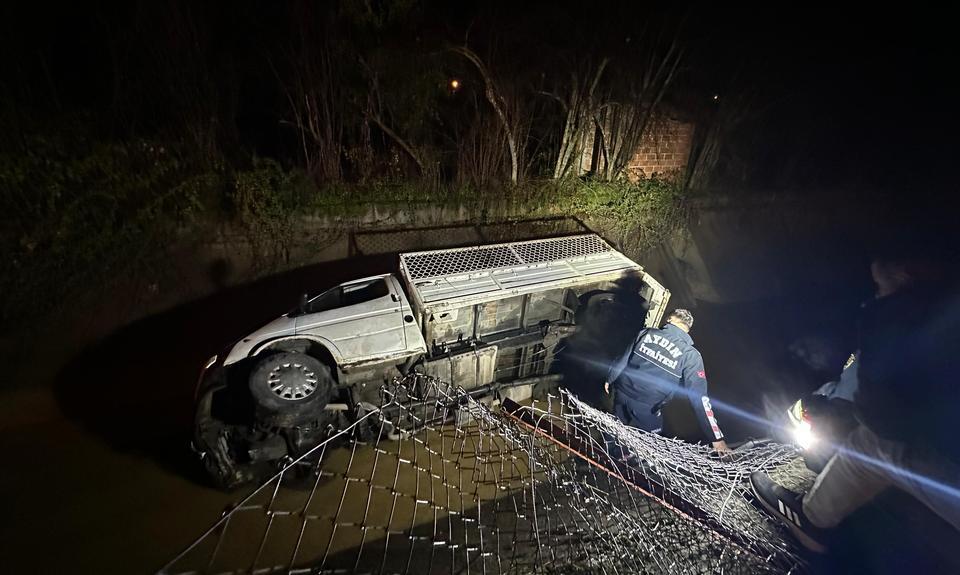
(363, 319)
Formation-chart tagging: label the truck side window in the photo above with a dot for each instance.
(342, 296)
(360, 293)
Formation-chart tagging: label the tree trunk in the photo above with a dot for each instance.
(496, 101)
(400, 142)
(580, 110)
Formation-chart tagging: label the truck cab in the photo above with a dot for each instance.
(357, 322)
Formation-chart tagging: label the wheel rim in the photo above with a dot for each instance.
(292, 381)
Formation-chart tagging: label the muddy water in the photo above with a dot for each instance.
(96, 475)
(419, 500)
(74, 504)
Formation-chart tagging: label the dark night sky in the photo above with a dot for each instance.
(851, 97)
(863, 94)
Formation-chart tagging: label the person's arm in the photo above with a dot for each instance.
(617, 367)
(695, 384)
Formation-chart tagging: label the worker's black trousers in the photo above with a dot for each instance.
(634, 414)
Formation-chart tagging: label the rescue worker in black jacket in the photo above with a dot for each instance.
(659, 364)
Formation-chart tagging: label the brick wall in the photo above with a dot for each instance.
(665, 148)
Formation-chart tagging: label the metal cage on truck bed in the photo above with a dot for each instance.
(451, 277)
(505, 295)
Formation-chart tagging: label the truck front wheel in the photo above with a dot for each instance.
(290, 389)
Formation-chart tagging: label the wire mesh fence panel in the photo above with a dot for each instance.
(438, 263)
(698, 500)
(455, 486)
(560, 248)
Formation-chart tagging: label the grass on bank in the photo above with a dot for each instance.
(74, 222)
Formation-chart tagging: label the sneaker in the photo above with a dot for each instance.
(787, 506)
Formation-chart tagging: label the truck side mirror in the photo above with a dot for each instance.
(303, 303)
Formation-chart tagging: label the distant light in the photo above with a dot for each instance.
(716, 97)
(454, 84)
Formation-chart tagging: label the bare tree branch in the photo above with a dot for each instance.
(400, 141)
(496, 100)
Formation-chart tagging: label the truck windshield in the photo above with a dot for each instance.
(352, 294)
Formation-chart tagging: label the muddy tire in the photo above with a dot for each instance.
(290, 389)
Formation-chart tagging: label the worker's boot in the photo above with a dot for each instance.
(787, 506)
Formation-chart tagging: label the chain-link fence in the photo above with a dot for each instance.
(455, 486)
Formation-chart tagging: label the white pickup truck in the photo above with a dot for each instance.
(487, 319)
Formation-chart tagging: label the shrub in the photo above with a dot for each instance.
(79, 220)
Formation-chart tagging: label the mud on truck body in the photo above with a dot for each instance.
(487, 319)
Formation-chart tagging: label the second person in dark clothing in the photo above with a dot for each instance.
(906, 402)
(659, 364)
